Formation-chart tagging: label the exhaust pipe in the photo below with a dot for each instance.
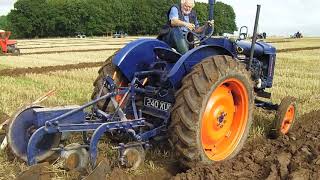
(254, 38)
(211, 9)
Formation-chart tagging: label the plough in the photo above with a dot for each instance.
(35, 133)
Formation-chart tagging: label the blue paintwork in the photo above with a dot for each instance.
(32, 150)
(45, 114)
(224, 43)
(191, 58)
(19, 135)
(107, 127)
(272, 61)
(211, 9)
(73, 120)
(261, 48)
(262, 52)
(137, 56)
(154, 132)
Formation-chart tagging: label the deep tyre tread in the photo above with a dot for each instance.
(191, 100)
(107, 69)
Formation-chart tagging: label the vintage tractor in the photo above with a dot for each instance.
(297, 35)
(8, 46)
(201, 101)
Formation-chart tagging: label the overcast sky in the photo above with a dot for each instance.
(277, 17)
(6, 6)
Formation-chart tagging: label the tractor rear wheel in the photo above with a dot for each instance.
(212, 115)
(107, 69)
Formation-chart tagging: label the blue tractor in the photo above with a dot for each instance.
(201, 101)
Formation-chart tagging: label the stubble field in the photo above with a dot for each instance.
(71, 66)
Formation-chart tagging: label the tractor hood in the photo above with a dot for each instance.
(260, 48)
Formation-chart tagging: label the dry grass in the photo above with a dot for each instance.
(73, 48)
(72, 87)
(296, 43)
(38, 60)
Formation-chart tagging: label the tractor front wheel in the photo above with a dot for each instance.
(213, 111)
(284, 118)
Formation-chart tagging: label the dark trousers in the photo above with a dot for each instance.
(175, 39)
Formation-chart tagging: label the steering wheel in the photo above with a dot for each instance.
(194, 38)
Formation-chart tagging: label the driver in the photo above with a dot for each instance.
(181, 18)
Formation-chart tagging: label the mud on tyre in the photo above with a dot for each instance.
(107, 69)
(213, 111)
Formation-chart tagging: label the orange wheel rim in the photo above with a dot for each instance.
(120, 96)
(225, 119)
(287, 120)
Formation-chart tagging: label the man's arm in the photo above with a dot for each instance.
(201, 28)
(176, 22)
(179, 23)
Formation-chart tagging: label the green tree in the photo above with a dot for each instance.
(52, 18)
(3, 22)
(225, 19)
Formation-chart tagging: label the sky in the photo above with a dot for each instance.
(6, 6)
(277, 17)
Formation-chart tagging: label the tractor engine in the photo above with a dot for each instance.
(262, 67)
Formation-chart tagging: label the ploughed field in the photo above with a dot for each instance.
(70, 66)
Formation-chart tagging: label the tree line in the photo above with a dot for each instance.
(60, 18)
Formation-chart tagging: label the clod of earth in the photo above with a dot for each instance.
(296, 156)
(39, 171)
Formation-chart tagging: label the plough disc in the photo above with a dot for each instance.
(20, 130)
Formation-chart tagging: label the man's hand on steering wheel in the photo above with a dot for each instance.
(201, 34)
(190, 26)
(210, 23)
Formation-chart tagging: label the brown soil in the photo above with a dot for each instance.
(296, 156)
(73, 45)
(66, 51)
(45, 69)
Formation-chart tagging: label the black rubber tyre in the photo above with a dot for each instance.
(191, 101)
(107, 69)
(280, 116)
(16, 52)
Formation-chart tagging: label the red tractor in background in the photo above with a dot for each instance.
(6, 45)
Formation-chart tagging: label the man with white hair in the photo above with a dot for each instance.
(181, 19)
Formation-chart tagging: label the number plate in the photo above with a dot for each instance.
(157, 104)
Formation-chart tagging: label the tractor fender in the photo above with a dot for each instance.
(137, 56)
(191, 58)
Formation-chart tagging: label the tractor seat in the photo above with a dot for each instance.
(167, 54)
